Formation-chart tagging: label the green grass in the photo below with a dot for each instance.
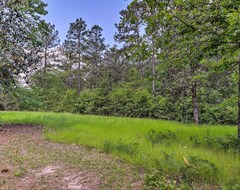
(130, 139)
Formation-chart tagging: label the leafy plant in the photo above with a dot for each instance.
(230, 143)
(195, 140)
(157, 180)
(196, 169)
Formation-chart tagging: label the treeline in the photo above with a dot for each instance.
(179, 60)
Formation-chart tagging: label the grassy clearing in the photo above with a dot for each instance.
(165, 146)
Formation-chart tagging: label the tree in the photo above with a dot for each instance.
(95, 48)
(115, 67)
(76, 36)
(210, 31)
(19, 21)
(68, 51)
(49, 39)
(129, 32)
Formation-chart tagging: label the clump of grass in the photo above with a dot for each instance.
(120, 146)
(157, 181)
(195, 140)
(153, 181)
(196, 169)
(159, 137)
(230, 143)
(226, 143)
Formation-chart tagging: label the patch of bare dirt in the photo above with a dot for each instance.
(28, 162)
(59, 177)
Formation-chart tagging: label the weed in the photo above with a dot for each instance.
(168, 163)
(17, 174)
(157, 180)
(209, 140)
(120, 146)
(195, 140)
(126, 148)
(107, 146)
(197, 169)
(230, 143)
(159, 137)
(233, 184)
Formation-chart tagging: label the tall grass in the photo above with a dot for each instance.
(151, 144)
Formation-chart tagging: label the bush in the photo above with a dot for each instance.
(30, 99)
(68, 102)
(92, 102)
(8, 102)
(221, 113)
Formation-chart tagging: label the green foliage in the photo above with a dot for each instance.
(68, 102)
(159, 137)
(230, 143)
(30, 99)
(224, 112)
(157, 181)
(121, 147)
(127, 101)
(162, 108)
(196, 169)
(19, 21)
(8, 101)
(91, 102)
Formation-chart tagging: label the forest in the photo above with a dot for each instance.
(176, 60)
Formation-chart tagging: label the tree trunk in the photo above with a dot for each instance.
(70, 74)
(238, 99)
(153, 75)
(194, 98)
(195, 103)
(45, 61)
(79, 77)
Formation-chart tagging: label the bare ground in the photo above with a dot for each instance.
(29, 162)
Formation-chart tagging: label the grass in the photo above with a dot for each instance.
(155, 145)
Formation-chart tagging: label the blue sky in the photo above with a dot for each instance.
(104, 13)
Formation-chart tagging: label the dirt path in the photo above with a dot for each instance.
(29, 162)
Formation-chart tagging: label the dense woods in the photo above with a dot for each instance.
(178, 60)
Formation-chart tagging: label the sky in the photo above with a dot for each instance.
(104, 13)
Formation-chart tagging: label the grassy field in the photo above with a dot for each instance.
(180, 152)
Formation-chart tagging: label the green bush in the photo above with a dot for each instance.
(31, 99)
(8, 102)
(92, 102)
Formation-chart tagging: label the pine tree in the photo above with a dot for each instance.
(49, 38)
(95, 48)
(76, 36)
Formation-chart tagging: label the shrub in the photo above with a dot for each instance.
(68, 102)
